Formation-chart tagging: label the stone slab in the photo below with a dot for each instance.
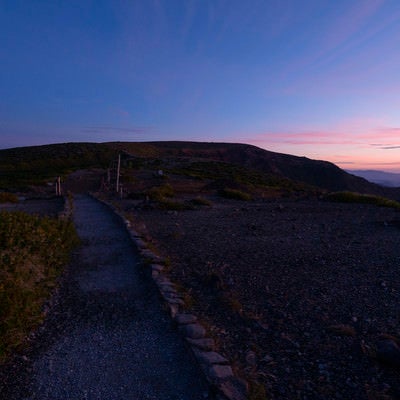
(193, 331)
(184, 319)
(207, 344)
(209, 357)
(217, 371)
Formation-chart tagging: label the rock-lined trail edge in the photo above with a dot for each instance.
(108, 337)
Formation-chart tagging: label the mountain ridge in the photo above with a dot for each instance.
(65, 157)
(383, 178)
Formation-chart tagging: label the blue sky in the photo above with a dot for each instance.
(315, 78)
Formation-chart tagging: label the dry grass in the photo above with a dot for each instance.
(6, 197)
(33, 251)
(235, 194)
(352, 197)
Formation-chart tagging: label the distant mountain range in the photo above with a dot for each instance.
(43, 162)
(389, 179)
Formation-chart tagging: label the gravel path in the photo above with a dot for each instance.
(108, 337)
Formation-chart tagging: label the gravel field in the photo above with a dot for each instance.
(303, 295)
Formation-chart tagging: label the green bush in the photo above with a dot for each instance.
(235, 194)
(159, 193)
(6, 197)
(32, 253)
(201, 201)
(352, 197)
(166, 204)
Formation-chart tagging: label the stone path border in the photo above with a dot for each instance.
(216, 367)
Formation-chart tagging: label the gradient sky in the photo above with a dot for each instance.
(314, 78)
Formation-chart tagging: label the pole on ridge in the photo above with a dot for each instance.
(118, 171)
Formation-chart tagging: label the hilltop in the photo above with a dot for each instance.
(228, 163)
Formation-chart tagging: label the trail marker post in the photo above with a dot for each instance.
(118, 172)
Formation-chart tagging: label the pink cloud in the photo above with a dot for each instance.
(384, 138)
(308, 138)
(362, 131)
(351, 142)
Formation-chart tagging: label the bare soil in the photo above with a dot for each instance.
(297, 292)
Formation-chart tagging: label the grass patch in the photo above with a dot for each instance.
(201, 201)
(237, 174)
(33, 252)
(6, 197)
(162, 196)
(352, 197)
(235, 194)
(159, 193)
(173, 205)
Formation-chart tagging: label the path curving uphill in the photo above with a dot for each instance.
(108, 338)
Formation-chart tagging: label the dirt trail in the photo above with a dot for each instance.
(110, 339)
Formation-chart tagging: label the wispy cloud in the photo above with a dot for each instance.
(117, 133)
(308, 138)
(110, 129)
(119, 112)
(339, 52)
(389, 138)
(347, 133)
(350, 23)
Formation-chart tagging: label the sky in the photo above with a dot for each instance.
(313, 78)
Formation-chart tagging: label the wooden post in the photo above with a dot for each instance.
(118, 172)
(58, 186)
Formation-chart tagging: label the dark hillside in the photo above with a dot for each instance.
(25, 166)
(322, 174)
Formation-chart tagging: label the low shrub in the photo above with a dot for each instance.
(201, 201)
(235, 194)
(352, 197)
(158, 193)
(166, 204)
(6, 197)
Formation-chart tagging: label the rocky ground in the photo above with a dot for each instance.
(302, 295)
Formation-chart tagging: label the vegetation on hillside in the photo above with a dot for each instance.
(223, 165)
(235, 194)
(25, 166)
(351, 197)
(234, 173)
(32, 252)
(7, 197)
(208, 177)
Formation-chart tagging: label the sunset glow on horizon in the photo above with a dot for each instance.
(314, 78)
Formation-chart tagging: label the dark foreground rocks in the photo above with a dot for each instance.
(297, 294)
